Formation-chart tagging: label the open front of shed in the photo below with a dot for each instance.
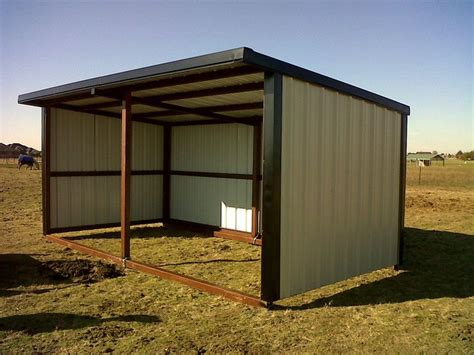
(255, 149)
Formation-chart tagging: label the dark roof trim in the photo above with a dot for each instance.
(243, 54)
(229, 56)
(275, 65)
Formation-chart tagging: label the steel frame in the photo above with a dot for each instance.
(271, 126)
(125, 173)
(162, 273)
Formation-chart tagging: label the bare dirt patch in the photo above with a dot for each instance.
(80, 270)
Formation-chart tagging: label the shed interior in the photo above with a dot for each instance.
(196, 154)
(206, 150)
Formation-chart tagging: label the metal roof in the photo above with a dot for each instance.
(201, 65)
(422, 156)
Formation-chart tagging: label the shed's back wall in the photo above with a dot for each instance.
(85, 142)
(340, 187)
(220, 148)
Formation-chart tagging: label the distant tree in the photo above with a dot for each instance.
(459, 155)
(434, 152)
(468, 155)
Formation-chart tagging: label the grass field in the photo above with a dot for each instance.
(426, 307)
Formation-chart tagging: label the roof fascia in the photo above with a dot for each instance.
(275, 65)
(229, 56)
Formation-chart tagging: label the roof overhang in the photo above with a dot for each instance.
(208, 66)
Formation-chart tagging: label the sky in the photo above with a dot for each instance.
(418, 53)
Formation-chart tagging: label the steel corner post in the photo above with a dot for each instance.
(271, 212)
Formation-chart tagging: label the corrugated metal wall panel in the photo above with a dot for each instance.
(224, 148)
(201, 199)
(147, 146)
(85, 142)
(107, 143)
(147, 200)
(340, 186)
(86, 200)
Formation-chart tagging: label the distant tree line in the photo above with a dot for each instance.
(465, 156)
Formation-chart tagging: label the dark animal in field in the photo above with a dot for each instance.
(27, 160)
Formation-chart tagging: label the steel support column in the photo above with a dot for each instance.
(166, 171)
(125, 194)
(257, 162)
(403, 165)
(271, 209)
(46, 168)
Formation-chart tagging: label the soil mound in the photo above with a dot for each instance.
(82, 270)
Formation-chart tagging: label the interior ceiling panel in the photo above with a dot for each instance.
(237, 98)
(205, 103)
(145, 108)
(201, 85)
(245, 113)
(184, 117)
(90, 101)
(181, 74)
(188, 72)
(135, 109)
(181, 118)
(244, 97)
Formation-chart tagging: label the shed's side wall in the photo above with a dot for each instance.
(339, 187)
(222, 148)
(82, 142)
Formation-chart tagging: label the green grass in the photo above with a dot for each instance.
(455, 175)
(426, 307)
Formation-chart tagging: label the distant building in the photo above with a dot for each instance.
(426, 157)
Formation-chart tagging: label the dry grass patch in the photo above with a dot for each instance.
(227, 263)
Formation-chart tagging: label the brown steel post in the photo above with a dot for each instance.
(46, 168)
(166, 170)
(257, 162)
(126, 175)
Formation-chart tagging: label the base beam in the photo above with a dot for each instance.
(238, 236)
(164, 274)
(214, 231)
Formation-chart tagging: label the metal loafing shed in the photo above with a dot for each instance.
(258, 150)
